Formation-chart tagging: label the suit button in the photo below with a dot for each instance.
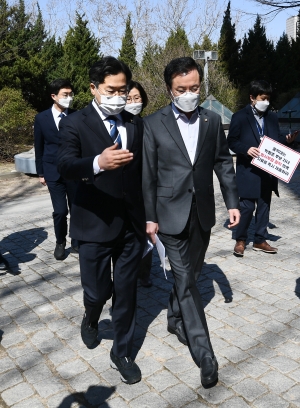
(190, 190)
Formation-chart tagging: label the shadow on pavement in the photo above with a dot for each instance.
(19, 246)
(92, 398)
(212, 273)
(297, 288)
(251, 230)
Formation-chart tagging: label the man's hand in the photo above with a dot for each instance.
(111, 158)
(253, 152)
(291, 137)
(234, 217)
(151, 230)
(42, 181)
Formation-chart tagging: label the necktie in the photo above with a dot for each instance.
(114, 133)
(61, 115)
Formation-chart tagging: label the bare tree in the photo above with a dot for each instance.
(276, 6)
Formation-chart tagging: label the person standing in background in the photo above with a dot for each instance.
(137, 100)
(248, 126)
(46, 142)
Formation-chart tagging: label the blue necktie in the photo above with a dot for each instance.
(61, 115)
(114, 133)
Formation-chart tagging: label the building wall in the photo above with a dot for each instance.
(291, 27)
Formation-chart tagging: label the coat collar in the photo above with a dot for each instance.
(169, 121)
(252, 123)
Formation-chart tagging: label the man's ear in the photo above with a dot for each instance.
(92, 88)
(53, 96)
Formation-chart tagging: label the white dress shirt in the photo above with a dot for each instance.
(121, 128)
(56, 114)
(189, 129)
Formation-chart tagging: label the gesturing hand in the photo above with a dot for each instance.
(112, 158)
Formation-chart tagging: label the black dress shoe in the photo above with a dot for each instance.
(88, 333)
(128, 369)
(59, 252)
(179, 332)
(209, 371)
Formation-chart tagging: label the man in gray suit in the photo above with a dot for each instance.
(183, 145)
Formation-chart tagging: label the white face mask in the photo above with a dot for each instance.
(66, 102)
(134, 108)
(111, 105)
(187, 102)
(262, 106)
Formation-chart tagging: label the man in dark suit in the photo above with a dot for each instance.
(46, 141)
(255, 186)
(101, 147)
(183, 145)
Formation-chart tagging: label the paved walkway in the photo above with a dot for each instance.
(43, 362)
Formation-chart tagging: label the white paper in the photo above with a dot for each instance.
(149, 246)
(277, 159)
(162, 253)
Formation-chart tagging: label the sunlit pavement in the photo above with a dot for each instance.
(256, 336)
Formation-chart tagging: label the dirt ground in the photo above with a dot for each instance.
(16, 187)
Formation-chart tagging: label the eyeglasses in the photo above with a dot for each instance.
(136, 98)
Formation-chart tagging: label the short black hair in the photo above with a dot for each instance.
(260, 87)
(57, 84)
(138, 86)
(108, 66)
(179, 66)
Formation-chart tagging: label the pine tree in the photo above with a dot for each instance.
(80, 52)
(127, 52)
(284, 71)
(228, 47)
(206, 45)
(178, 40)
(6, 52)
(256, 56)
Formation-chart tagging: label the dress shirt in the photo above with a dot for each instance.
(120, 126)
(56, 114)
(189, 129)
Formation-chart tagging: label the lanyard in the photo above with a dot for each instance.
(260, 129)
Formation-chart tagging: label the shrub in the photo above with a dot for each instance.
(16, 123)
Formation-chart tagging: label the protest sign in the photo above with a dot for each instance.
(277, 159)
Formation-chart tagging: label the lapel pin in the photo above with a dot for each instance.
(205, 120)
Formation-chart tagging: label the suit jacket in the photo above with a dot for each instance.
(169, 176)
(103, 202)
(242, 135)
(46, 142)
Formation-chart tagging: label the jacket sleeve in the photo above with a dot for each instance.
(149, 173)
(234, 134)
(224, 170)
(38, 146)
(70, 163)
